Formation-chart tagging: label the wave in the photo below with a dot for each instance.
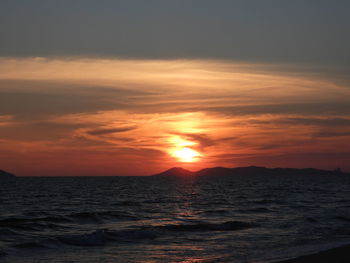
(96, 238)
(101, 215)
(28, 225)
(91, 239)
(311, 219)
(54, 222)
(8, 232)
(343, 218)
(254, 210)
(101, 237)
(127, 203)
(264, 201)
(216, 212)
(9, 222)
(31, 245)
(226, 226)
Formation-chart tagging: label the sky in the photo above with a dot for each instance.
(136, 87)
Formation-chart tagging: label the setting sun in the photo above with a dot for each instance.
(186, 155)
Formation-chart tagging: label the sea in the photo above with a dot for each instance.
(252, 219)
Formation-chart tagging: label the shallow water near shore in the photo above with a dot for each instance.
(151, 219)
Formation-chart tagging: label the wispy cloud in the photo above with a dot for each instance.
(109, 130)
(137, 111)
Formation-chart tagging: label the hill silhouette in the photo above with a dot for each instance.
(176, 171)
(250, 170)
(6, 175)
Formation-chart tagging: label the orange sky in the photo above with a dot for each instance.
(77, 116)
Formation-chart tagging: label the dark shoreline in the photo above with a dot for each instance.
(334, 255)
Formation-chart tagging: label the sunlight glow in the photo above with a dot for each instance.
(198, 112)
(187, 155)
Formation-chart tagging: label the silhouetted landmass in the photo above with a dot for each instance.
(6, 176)
(176, 171)
(337, 255)
(251, 170)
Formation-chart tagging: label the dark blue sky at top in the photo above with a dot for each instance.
(288, 31)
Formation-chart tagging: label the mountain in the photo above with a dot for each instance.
(250, 170)
(5, 175)
(176, 171)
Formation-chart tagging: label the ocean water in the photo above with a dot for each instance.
(151, 219)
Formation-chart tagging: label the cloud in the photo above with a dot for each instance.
(37, 130)
(38, 99)
(325, 121)
(295, 31)
(110, 130)
(136, 110)
(203, 140)
(331, 133)
(341, 107)
(5, 120)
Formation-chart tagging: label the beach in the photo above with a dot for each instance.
(334, 255)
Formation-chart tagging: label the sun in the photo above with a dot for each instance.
(186, 155)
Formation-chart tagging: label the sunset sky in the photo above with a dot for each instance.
(135, 87)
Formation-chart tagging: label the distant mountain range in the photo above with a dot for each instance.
(6, 175)
(223, 171)
(250, 170)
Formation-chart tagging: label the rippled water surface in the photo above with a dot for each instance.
(150, 219)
